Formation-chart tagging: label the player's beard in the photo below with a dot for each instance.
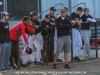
(6, 19)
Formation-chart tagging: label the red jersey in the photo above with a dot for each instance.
(13, 32)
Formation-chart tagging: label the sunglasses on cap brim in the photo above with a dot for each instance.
(67, 9)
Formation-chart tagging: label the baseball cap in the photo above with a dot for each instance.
(62, 10)
(33, 13)
(86, 9)
(66, 8)
(47, 16)
(4, 13)
(53, 8)
(80, 8)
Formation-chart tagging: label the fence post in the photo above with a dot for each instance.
(96, 40)
(18, 35)
(71, 46)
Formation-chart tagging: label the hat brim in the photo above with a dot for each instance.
(4, 14)
(53, 10)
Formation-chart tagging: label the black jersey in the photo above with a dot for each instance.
(74, 17)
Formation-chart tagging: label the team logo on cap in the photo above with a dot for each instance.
(31, 12)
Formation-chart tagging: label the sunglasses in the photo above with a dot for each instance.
(81, 11)
(87, 10)
(48, 18)
(54, 10)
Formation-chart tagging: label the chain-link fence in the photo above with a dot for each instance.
(20, 8)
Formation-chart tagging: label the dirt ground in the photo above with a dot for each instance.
(86, 67)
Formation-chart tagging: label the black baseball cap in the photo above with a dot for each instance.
(33, 13)
(86, 9)
(66, 8)
(47, 16)
(62, 10)
(52, 9)
(4, 13)
(80, 8)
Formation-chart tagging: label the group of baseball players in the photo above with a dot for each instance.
(56, 33)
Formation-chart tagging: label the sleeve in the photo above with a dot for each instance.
(1, 27)
(1, 33)
(60, 25)
(72, 17)
(44, 30)
(90, 16)
(23, 34)
(83, 18)
(43, 24)
(50, 25)
(68, 17)
(79, 17)
(31, 29)
(38, 23)
(70, 26)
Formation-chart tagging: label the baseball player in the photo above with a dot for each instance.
(86, 32)
(34, 39)
(13, 36)
(47, 30)
(29, 30)
(76, 37)
(52, 23)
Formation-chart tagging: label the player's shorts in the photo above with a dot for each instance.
(64, 43)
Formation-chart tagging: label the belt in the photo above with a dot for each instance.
(85, 29)
(74, 28)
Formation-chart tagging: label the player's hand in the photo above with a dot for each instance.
(35, 26)
(53, 24)
(73, 23)
(28, 46)
(79, 22)
(31, 23)
(47, 26)
(76, 21)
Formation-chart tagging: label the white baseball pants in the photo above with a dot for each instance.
(77, 42)
(34, 40)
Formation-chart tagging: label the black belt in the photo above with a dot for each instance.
(75, 28)
(85, 29)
